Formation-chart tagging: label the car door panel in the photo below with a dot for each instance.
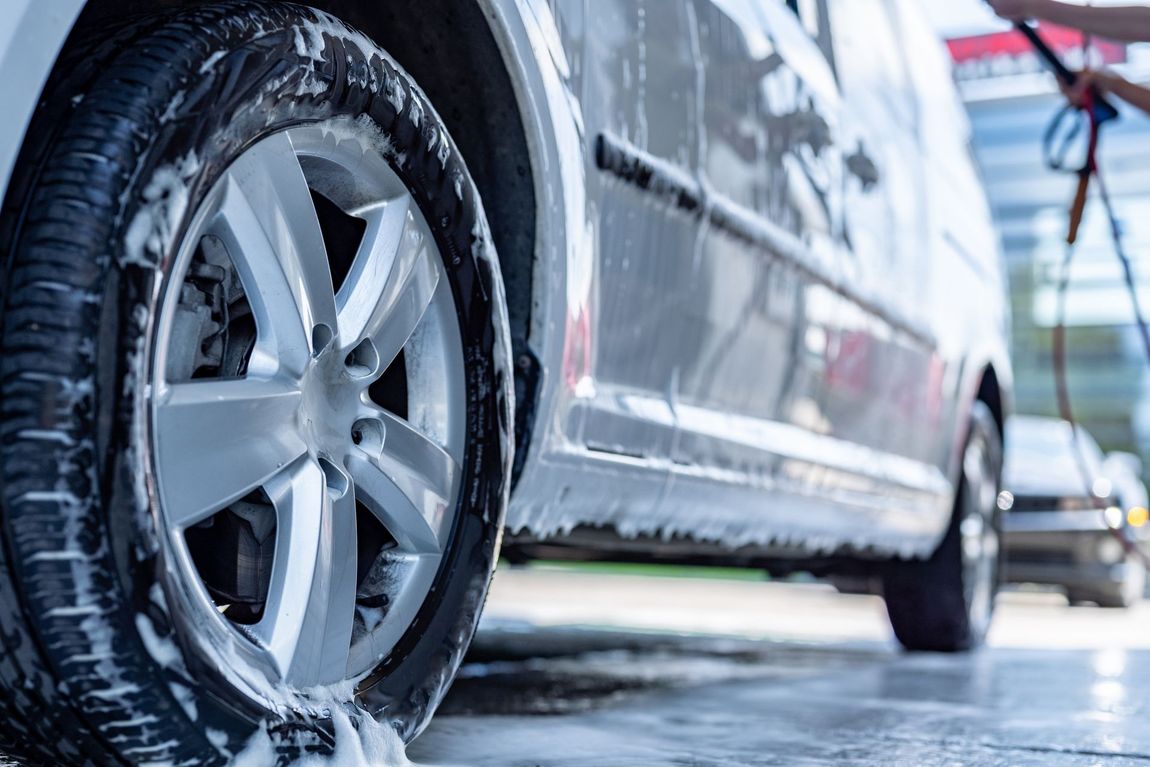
(638, 84)
(713, 320)
(884, 370)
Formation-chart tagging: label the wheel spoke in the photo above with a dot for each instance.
(216, 441)
(409, 485)
(308, 619)
(268, 221)
(391, 282)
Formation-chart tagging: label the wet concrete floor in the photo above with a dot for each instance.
(574, 669)
(577, 669)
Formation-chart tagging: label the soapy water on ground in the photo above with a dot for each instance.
(591, 670)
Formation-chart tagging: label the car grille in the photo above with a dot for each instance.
(1035, 503)
(1037, 557)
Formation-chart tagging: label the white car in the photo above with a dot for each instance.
(1070, 508)
(301, 309)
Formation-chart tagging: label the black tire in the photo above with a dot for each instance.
(1106, 597)
(929, 601)
(81, 609)
(1113, 598)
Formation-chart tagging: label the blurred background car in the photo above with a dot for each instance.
(1065, 504)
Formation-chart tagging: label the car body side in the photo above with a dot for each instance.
(764, 292)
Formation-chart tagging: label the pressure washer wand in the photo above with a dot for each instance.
(1103, 110)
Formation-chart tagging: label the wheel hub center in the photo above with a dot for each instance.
(331, 402)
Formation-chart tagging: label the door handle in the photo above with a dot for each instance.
(800, 127)
(863, 167)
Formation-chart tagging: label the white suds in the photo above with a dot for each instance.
(210, 62)
(217, 738)
(173, 106)
(371, 745)
(360, 741)
(153, 228)
(162, 650)
(259, 751)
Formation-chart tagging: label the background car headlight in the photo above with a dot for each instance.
(1114, 517)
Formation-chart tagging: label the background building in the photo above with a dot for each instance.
(1011, 101)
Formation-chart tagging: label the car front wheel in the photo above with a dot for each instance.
(255, 397)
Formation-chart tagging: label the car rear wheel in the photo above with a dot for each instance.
(945, 603)
(255, 398)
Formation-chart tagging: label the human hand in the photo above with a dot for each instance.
(1089, 83)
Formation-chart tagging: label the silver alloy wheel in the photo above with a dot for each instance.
(298, 423)
(979, 536)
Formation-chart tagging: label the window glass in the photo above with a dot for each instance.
(869, 57)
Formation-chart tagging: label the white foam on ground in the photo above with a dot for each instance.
(360, 741)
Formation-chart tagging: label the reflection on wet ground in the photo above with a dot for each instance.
(529, 671)
(1051, 690)
(592, 670)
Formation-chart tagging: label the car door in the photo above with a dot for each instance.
(884, 377)
(718, 207)
(758, 322)
(738, 317)
(692, 320)
(960, 296)
(716, 214)
(635, 79)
